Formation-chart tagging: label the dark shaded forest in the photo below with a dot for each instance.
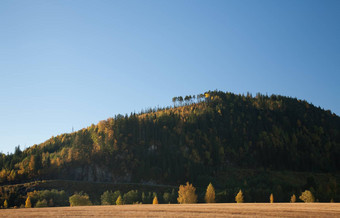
(201, 139)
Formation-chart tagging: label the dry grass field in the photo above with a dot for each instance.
(189, 210)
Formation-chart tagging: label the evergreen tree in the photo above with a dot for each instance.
(180, 99)
(50, 203)
(239, 197)
(146, 198)
(166, 197)
(173, 196)
(186, 194)
(210, 194)
(174, 100)
(170, 197)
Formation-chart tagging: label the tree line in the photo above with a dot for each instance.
(186, 195)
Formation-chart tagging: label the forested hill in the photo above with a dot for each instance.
(199, 137)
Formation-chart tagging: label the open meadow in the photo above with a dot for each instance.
(185, 210)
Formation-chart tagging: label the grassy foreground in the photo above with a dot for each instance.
(188, 210)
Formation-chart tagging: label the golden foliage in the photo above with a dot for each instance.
(119, 200)
(271, 198)
(32, 194)
(59, 161)
(210, 194)
(239, 197)
(28, 203)
(32, 163)
(307, 197)
(186, 194)
(5, 204)
(63, 152)
(155, 200)
(3, 174)
(12, 175)
(69, 155)
(96, 148)
(293, 199)
(101, 126)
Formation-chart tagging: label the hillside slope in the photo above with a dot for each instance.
(197, 140)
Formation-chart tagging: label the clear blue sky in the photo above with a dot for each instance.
(67, 64)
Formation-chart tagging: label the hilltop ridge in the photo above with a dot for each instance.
(199, 139)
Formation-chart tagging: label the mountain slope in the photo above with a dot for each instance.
(200, 138)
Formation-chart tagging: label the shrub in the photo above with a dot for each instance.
(307, 197)
(42, 203)
(239, 197)
(58, 198)
(166, 197)
(173, 196)
(50, 203)
(131, 197)
(109, 198)
(186, 194)
(147, 198)
(80, 200)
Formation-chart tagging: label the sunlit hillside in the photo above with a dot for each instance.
(202, 138)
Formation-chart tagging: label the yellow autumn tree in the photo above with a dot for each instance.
(271, 198)
(28, 203)
(293, 199)
(119, 200)
(5, 204)
(32, 164)
(210, 194)
(307, 197)
(186, 194)
(239, 197)
(155, 200)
